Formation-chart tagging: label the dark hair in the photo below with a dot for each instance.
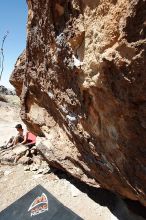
(18, 126)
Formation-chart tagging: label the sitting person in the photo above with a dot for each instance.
(19, 137)
(23, 137)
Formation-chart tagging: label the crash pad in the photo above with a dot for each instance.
(38, 204)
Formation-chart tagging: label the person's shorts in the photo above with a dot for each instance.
(20, 139)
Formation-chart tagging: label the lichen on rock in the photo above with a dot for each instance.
(92, 116)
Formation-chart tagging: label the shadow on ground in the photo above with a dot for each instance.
(120, 208)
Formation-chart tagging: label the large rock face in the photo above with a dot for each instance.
(82, 84)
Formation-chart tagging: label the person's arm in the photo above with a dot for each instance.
(25, 138)
(15, 141)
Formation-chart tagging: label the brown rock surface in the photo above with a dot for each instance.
(82, 85)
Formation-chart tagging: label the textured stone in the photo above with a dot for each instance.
(20, 150)
(82, 85)
(25, 160)
(7, 157)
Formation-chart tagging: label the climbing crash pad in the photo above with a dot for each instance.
(38, 204)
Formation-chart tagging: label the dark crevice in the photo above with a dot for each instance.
(136, 23)
(123, 209)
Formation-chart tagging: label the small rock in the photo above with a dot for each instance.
(34, 150)
(40, 171)
(20, 150)
(34, 167)
(25, 160)
(44, 170)
(27, 153)
(26, 168)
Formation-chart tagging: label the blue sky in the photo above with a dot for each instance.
(13, 17)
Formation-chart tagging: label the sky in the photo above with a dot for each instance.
(13, 18)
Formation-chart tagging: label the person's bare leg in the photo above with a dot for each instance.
(15, 141)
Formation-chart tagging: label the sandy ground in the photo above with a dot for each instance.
(19, 182)
(88, 203)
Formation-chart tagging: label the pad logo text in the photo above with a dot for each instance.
(39, 205)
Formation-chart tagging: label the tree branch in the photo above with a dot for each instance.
(2, 57)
